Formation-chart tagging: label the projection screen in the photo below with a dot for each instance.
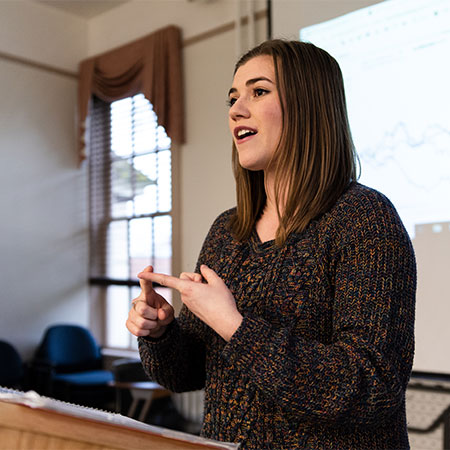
(395, 57)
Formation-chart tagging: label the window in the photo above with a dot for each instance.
(130, 173)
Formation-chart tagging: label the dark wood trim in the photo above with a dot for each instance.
(105, 281)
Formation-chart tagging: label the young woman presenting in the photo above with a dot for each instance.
(299, 319)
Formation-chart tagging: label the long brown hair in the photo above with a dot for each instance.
(315, 160)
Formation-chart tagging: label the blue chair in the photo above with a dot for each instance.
(68, 365)
(11, 367)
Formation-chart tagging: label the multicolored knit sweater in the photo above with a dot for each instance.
(324, 353)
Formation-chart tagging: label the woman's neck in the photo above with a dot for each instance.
(268, 223)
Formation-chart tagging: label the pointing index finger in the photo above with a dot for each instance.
(162, 279)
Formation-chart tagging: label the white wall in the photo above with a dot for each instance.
(43, 245)
(144, 16)
(207, 182)
(39, 33)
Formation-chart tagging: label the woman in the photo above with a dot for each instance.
(299, 321)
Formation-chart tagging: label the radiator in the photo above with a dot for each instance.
(190, 405)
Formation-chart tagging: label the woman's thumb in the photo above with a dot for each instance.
(208, 274)
(165, 313)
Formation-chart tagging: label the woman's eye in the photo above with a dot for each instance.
(231, 102)
(259, 92)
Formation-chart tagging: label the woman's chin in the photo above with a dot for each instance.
(254, 166)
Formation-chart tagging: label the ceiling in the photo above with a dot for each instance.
(84, 8)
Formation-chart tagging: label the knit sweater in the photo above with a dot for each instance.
(324, 352)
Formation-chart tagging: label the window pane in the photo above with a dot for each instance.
(117, 252)
(166, 293)
(117, 307)
(121, 127)
(164, 181)
(145, 126)
(141, 239)
(164, 141)
(163, 244)
(146, 199)
(122, 190)
(135, 291)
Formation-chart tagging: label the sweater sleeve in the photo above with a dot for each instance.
(360, 376)
(177, 359)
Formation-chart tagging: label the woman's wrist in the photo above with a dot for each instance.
(230, 326)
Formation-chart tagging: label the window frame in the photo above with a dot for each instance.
(98, 284)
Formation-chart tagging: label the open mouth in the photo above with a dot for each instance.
(242, 133)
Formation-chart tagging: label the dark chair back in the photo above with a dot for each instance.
(129, 370)
(69, 348)
(68, 366)
(11, 366)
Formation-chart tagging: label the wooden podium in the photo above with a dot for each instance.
(36, 423)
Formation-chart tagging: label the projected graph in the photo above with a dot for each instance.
(412, 167)
(394, 59)
(407, 152)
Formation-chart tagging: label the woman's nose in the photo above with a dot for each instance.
(239, 109)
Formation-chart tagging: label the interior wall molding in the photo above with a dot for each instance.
(37, 65)
(229, 26)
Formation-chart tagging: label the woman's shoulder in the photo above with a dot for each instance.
(364, 208)
(361, 200)
(222, 220)
(225, 215)
(220, 226)
(218, 237)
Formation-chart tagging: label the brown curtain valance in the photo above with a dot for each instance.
(151, 65)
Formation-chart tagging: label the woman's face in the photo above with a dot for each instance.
(255, 116)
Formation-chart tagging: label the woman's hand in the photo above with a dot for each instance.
(150, 313)
(212, 302)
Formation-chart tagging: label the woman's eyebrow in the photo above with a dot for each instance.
(250, 82)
